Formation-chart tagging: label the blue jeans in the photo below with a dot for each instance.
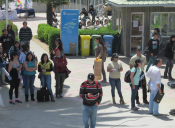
(23, 79)
(133, 95)
(115, 83)
(153, 106)
(89, 112)
(152, 61)
(2, 65)
(29, 79)
(46, 82)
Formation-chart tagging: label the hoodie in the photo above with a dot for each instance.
(153, 46)
(11, 31)
(169, 48)
(7, 42)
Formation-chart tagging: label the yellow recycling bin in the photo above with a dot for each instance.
(85, 44)
(97, 68)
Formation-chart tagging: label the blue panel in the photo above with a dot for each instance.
(108, 39)
(69, 29)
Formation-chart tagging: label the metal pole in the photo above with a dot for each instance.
(26, 9)
(94, 3)
(88, 5)
(76, 3)
(102, 8)
(80, 4)
(6, 13)
(98, 5)
(69, 3)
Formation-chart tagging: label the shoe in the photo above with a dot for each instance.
(122, 101)
(158, 115)
(134, 108)
(61, 96)
(23, 86)
(58, 96)
(137, 102)
(26, 97)
(52, 99)
(170, 78)
(137, 107)
(113, 100)
(32, 97)
(18, 101)
(145, 102)
(11, 102)
(165, 77)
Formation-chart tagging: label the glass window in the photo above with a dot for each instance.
(171, 26)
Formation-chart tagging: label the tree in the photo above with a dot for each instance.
(50, 4)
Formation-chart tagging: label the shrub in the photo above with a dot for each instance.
(53, 34)
(14, 27)
(40, 31)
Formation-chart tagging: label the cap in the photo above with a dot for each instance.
(114, 55)
(138, 48)
(155, 33)
(90, 77)
(138, 61)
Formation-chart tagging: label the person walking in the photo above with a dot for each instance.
(14, 71)
(85, 15)
(11, 31)
(45, 67)
(99, 54)
(143, 82)
(114, 68)
(169, 54)
(153, 46)
(159, 35)
(154, 75)
(30, 67)
(25, 34)
(91, 93)
(135, 77)
(60, 70)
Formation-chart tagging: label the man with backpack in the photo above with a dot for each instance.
(169, 54)
(91, 93)
(143, 82)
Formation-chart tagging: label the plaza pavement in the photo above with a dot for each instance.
(67, 112)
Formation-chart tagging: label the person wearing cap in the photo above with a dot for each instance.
(160, 35)
(143, 84)
(91, 93)
(7, 41)
(114, 68)
(135, 77)
(153, 46)
(169, 54)
(155, 86)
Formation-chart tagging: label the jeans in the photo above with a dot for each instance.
(152, 61)
(23, 79)
(115, 83)
(89, 112)
(2, 74)
(169, 67)
(153, 106)
(60, 77)
(133, 95)
(46, 82)
(29, 79)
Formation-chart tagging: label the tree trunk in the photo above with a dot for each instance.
(49, 14)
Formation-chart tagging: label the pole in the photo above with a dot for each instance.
(6, 13)
(94, 3)
(26, 10)
(80, 4)
(69, 3)
(76, 3)
(102, 7)
(98, 5)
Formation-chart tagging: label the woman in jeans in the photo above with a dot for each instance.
(60, 70)
(135, 78)
(45, 67)
(114, 68)
(99, 54)
(14, 70)
(30, 67)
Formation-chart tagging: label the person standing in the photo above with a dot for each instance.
(99, 54)
(169, 54)
(143, 82)
(91, 93)
(15, 48)
(93, 14)
(114, 68)
(155, 86)
(25, 34)
(135, 77)
(153, 46)
(11, 31)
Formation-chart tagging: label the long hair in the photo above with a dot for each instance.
(42, 58)
(29, 53)
(13, 55)
(100, 41)
(25, 48)
(15, 47)
(136, 65)
(60, 44)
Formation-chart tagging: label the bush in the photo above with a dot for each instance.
(53, 34)
(14, 27)
(40, 31)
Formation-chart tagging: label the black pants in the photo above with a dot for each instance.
(14, 84)
(169, 67)
(144, 90)
(60, 77)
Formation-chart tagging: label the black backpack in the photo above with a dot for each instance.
(163, 46)
(127, 76)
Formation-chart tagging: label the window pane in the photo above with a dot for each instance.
(135, 41)
(171, 26)
(137, 24)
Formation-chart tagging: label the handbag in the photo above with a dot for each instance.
(40, 75)
(67, 72)
(158, 97)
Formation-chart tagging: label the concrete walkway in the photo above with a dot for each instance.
(67, 112)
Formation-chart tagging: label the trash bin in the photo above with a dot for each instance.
(108, 39)
(85, 44)
(94, 44)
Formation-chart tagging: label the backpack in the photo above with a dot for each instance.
(94, 81)
(147, 54)
(127, 76)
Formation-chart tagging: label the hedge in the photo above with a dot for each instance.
(14, 27)
(53, 34)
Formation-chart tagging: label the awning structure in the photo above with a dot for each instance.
(142, 3)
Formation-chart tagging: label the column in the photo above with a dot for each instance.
(114, 18)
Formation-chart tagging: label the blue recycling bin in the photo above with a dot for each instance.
(108, 39)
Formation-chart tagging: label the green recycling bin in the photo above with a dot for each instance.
(94, 44)
(85, 44)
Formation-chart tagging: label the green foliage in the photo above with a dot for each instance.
(53, 34)
(40, 31)
(14, 27)
(4, 1)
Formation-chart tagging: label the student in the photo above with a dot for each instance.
(114, 68)
(14, 71)
(11, 31)
(135, 77)
(15, 48)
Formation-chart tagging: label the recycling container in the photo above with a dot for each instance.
(108, 39)
(85, 44)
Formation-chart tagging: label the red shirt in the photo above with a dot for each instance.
(60, 64)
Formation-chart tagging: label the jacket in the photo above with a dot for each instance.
(47, 66)
(169, 49)
(7, 42)
(60, 64)
(11, 32)
(153, 46)
(25, 34)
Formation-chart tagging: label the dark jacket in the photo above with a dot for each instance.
(169, 49)
(25, 34)
(11, 32)
(153, 46)
(85, 13)
(7, 42)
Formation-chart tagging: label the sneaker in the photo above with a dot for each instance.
(18, 101)
(137, 102)
(134, 108)
(11, 102)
